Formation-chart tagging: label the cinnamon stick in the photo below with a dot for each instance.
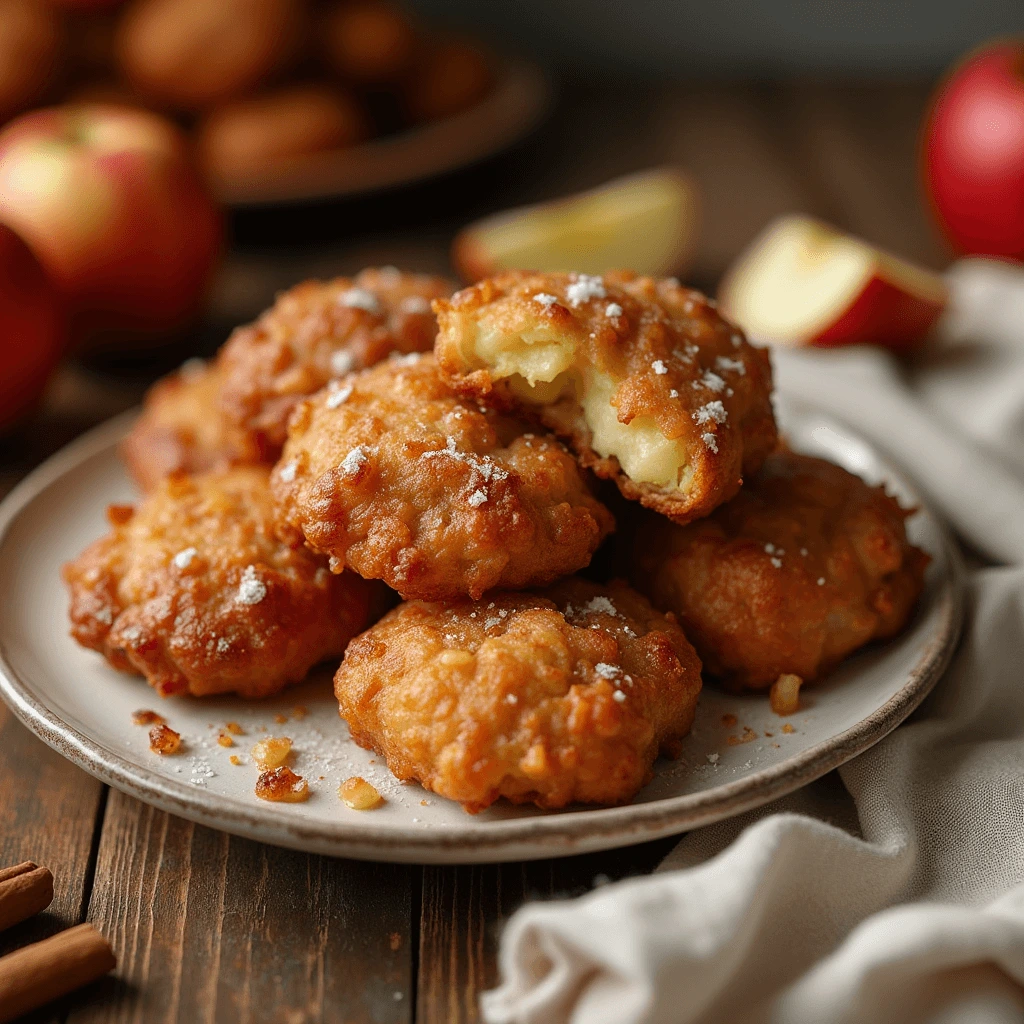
(47, 970)
(25, 889)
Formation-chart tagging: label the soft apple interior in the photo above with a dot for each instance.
(802, 276)
(539, 365)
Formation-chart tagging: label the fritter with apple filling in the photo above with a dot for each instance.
(194, 591)
(556, 697)
(319, 331)
(806, 564)
(390, 473)
(651, 387)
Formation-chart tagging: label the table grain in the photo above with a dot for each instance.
(212, 928)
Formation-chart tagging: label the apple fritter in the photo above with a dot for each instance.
(390, 473)
(182, 429)
(651, 387)
(194, 591)
(806, 564)
(319, 331)
(556, 697)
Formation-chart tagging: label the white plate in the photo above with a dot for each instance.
(72, 700)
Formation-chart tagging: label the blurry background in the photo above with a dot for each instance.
(651, 39)
(328, 135)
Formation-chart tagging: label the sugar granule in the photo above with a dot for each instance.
(360, 298)
(183, 559)
(252, 589)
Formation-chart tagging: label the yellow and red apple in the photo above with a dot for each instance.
(645, 221)
(32, 328)
(804, 283)
(973, 152)
(108, 200)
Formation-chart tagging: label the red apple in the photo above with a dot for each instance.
(804, 283)
(973, 152)
(109, 202)
(32, 328)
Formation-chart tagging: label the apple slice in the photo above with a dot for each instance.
(802, 282)
(645, 222)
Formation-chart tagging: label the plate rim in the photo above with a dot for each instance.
(527, 838)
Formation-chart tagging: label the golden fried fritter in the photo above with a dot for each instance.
(195, 592)
(806, 564)
(650, 385)
(390, 472)
(183, 429)
(316, 332)
(550, 698)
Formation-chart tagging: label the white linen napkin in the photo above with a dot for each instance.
(918, 915)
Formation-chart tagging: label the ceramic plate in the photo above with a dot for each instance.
(72, 700)
(513, 107)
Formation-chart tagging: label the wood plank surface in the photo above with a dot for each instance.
(210, 928)
(464, 909)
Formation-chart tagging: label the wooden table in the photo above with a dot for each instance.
(211, 928)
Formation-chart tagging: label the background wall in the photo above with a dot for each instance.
(759, 38)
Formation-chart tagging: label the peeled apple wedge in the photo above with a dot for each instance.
(802, 282)
(646, 222)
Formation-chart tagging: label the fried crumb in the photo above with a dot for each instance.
(235, 729)
(728, 719)
(225, 740)
(358, 794)
(235, 759)
(784, 696)
(395, 941)
(280, 719)
(164, 740)
(271, 752)
(282, 785)
(299, 711)
(147, 718)
(748, 736)
(787, 728)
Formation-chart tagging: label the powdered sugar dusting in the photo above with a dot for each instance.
(711, 441)
(360, 298)
(287, 471)
(713, 412)
(727, 365)
(545, 299)
(659, 367)
(613, 310)
(585, 287)
(338, 396)
(355, 460)
(477, 498)
(252, 589)
(183, 559)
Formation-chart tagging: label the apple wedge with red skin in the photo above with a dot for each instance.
(803, 283)
(108, 200)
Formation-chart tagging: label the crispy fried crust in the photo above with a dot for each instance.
(194, 591)
(391, 473)
(316, 332)
(670, 358)
(806, 564)
(182, 429)
(548, 698)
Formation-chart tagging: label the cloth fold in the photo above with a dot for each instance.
(918, 914)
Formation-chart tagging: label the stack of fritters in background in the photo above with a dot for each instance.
(463, 474)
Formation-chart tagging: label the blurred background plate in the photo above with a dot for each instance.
(515, 104)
